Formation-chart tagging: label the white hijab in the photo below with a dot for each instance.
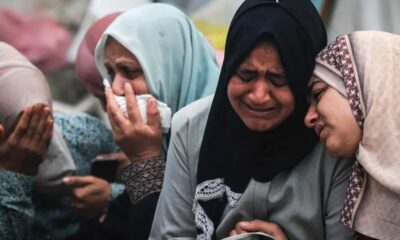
(23, 85)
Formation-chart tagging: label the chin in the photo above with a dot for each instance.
(260, 126)
(338, 151)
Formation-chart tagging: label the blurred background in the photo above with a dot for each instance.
(49, 32)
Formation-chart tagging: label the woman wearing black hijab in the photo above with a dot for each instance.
(245, 153)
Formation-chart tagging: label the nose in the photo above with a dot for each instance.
(260, 92)
(117, 85)
(312, 116)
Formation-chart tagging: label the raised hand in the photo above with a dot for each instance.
(25, 147)
(137, 139)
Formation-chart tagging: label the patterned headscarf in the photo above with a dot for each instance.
(364, 67)
(23, 85)
(179, 64)
(85, 65)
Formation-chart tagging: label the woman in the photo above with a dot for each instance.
(354, 111)
(85, 66)
(245, 154)
(39, 207)
(152, 49)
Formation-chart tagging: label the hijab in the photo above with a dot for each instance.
(178, 62)
(85, 65)
(23, 85)
(231, 154)
(364, 68)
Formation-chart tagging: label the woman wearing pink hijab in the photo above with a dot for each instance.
(85, 66)
(34, 202)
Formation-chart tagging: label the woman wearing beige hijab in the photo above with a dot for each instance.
(34, 202)
(355, 109)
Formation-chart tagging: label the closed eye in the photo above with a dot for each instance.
(247, 75)
(277, 79)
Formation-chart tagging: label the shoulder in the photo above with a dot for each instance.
(192, 114)
(327, 167)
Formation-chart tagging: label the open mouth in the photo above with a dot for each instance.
(260, 111)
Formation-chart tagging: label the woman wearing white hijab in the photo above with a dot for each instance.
(34, 207)
(152, 49)
(355, 111)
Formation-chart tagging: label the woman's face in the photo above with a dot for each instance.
(122, 67)
(332, 119)
(259, 92)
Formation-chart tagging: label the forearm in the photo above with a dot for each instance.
(144, 178)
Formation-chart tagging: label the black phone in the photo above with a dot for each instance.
(105, 168)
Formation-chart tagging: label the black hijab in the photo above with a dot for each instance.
(231, 153)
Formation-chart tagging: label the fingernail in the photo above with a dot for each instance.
(244, 224)
(66, 179)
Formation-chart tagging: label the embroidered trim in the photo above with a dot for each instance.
(206, 191)
(353, 194)
(337, 54)
(144, 178)
(233, 197)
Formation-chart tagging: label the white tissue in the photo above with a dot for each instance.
(141, 101)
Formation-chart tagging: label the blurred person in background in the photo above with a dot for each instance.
(38, 207)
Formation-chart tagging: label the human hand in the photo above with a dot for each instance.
(90, 194)
(259, 226)
(25, 147)
(137, 139)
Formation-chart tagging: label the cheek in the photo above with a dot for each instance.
(236, 89)
(286, 99)
(140, 86)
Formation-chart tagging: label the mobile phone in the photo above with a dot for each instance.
(105, 168)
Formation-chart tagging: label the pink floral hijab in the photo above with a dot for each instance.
(85, 66)
(23, 85)
(365, 67)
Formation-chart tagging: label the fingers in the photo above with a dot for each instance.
(233, 233)
(41, 125)
(239, 229)
(131, 104)
(34, 122)
(153, 114)
(21, 126)
(116, 117)
(77, 181)
(263, 226)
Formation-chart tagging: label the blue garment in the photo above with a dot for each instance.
(178, 62)
(24, 214)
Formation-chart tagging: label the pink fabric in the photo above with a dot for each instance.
(21, 85)
(85, 66)
(41, 39)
